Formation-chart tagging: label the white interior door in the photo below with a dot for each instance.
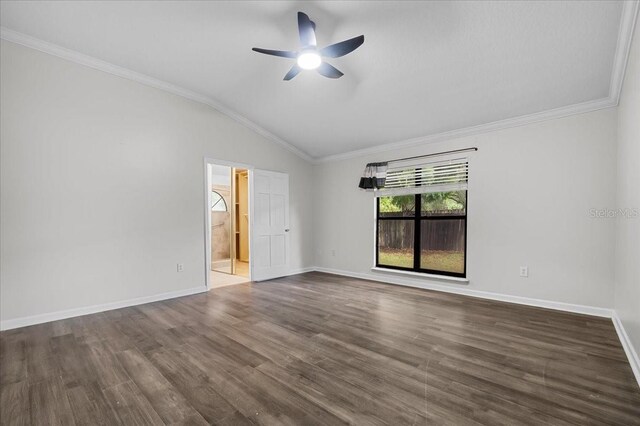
(270, 233)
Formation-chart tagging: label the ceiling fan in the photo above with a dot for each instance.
(309, 57)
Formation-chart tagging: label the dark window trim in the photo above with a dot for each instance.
(417, 218)
(224, 203)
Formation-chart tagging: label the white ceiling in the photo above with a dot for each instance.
(425, 67)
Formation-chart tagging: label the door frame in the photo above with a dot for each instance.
(207, 213)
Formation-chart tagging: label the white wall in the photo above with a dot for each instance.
(102, 185)
(627, 265)
(102, 194)
(530, 193)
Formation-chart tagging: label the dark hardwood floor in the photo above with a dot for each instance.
(317, 349)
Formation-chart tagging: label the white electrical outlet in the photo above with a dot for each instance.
(333, 253)
(524, 271)
(180, 267)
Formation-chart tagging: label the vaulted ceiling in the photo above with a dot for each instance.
(425, 67)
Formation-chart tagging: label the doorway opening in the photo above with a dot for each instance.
(228, 225)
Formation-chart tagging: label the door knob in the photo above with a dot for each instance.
(286, 230)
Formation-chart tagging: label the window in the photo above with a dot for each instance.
(422, 219)
(423, 232)
(217, 202)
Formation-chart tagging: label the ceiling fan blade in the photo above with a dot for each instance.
(295, 70)
(281, 53)
(329, 71)
(306, 28)
(340, 49)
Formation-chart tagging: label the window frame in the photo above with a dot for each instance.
(417, 219)
(224, 202)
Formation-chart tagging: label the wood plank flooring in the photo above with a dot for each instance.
(318, 349)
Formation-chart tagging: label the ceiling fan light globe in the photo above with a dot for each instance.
(309, 60)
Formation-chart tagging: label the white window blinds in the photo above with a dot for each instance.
(441, 176)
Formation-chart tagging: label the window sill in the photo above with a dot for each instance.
(422, 275)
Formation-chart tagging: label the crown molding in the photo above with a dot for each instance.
(89, 61)
(479, 129)
(627, 23)
(623, 47)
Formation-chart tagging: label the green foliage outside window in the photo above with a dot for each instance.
(433, 201)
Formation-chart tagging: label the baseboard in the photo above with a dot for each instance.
(302, 270)
(632, 355)
(69, 313)
(453, 288)
(629, 350)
